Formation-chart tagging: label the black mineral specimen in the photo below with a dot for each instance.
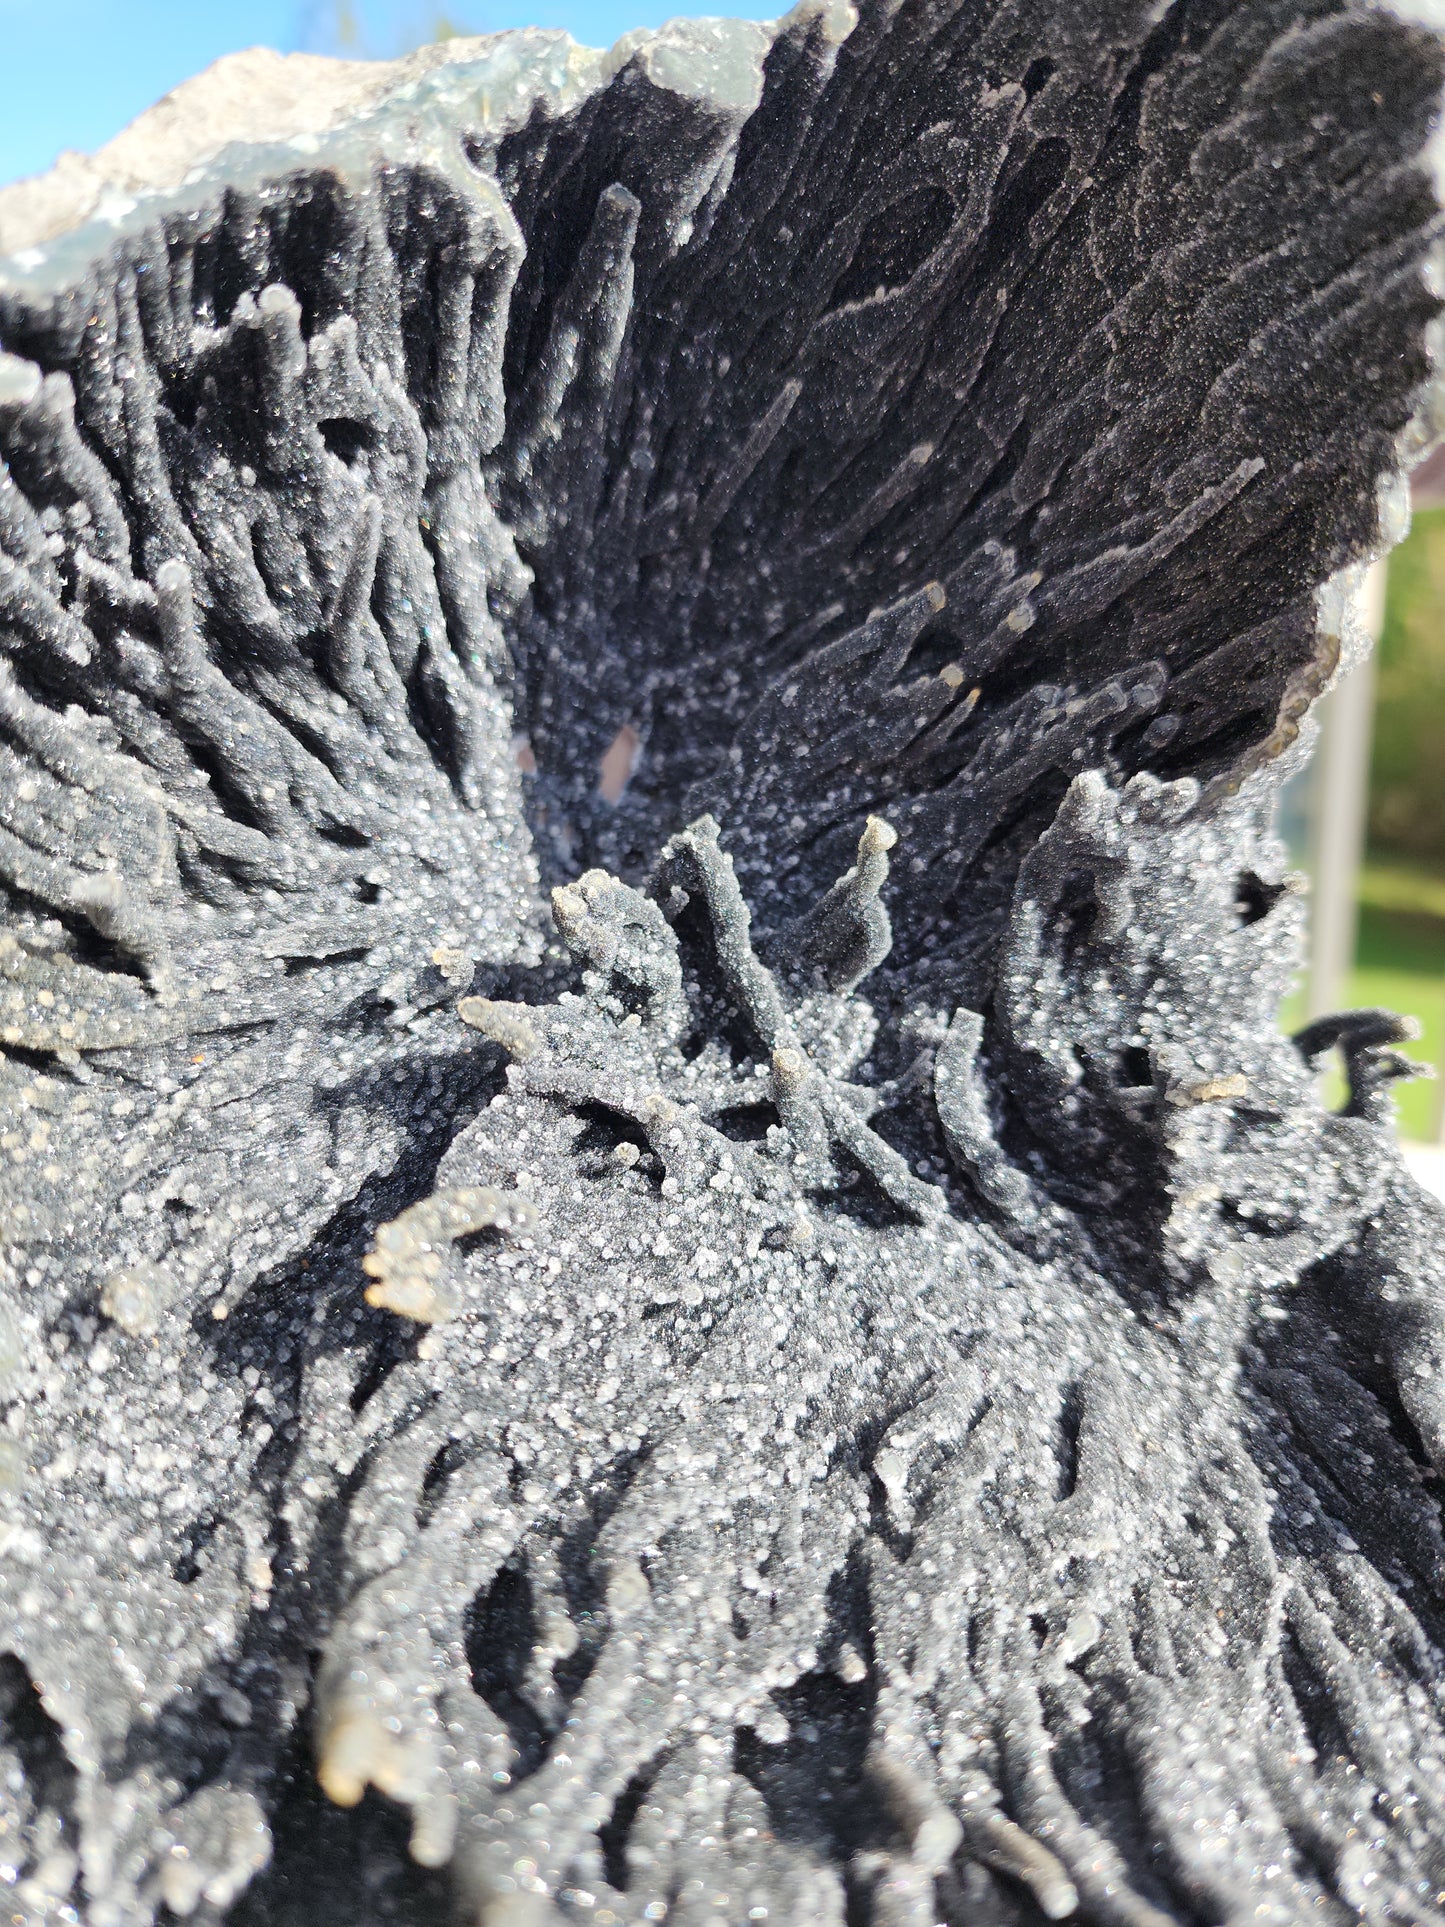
(841, 1370)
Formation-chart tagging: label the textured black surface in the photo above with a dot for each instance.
(845, 1374)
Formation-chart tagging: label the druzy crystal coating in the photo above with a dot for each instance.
(661, 1258)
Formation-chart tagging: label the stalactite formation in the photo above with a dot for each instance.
(660, 1257)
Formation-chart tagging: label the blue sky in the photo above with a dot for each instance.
(73, 72)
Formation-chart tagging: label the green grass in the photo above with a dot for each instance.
(1400, 959)
(1420, 894)
(1407, 758)
(1399, 965)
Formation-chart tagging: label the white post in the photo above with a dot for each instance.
(1339, 803)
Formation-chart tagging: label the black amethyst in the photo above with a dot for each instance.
(837, 1369)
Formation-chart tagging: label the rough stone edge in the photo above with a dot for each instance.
(255, 115)
(1343, 637)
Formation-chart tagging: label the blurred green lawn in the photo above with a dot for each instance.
(1400, 950)
(1399, 965)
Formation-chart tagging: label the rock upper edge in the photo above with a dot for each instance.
(252, 114)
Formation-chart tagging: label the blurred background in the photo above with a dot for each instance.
(1366, 821)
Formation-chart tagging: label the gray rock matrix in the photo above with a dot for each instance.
(661, 1261)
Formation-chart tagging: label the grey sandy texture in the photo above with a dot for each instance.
(661, 1261)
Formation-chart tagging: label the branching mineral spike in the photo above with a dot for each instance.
(659, 1259)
